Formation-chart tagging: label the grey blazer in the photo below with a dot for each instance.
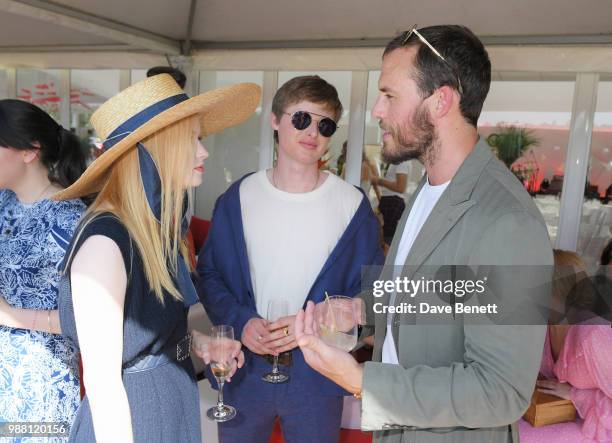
(459, 381)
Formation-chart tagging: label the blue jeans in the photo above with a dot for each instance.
(305, 417)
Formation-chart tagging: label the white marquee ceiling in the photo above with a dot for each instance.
(32, 23)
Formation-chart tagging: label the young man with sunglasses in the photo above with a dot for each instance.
(291, 233)
(447, 377)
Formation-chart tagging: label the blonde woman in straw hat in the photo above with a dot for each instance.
(127, 286)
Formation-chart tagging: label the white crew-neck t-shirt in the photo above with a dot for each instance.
(289, 236)
(423, 205)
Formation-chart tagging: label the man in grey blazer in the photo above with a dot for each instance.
(449, 377)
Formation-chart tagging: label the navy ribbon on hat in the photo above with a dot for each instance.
(152, 183)
(137, 120)
(152, 188)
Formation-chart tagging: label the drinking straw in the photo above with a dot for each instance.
(332, 311)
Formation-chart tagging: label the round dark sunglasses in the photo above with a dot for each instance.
(302, 120)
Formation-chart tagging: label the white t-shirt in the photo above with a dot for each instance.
(423, 205)
(391, 175)
(289, 236)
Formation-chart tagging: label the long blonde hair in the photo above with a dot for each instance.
(173, 150)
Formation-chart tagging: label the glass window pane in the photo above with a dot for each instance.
(596, 223)
(233, 152)
(138, 75)
(89, 88)
(373, 141)
(40, 87)
(3, 84)
(341, 80)
(518, 112)
(372, 131)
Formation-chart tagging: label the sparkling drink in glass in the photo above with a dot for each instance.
(222, 337)
(339, 322)
(277, 308)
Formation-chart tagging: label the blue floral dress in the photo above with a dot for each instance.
(39, 377)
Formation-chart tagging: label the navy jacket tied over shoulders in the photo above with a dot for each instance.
(225, 288)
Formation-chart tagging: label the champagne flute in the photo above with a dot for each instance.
(222, 337)
(339, 322)
(277, 308)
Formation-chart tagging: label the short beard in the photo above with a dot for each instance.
(421, 145)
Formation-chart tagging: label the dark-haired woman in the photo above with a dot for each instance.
(38, 369)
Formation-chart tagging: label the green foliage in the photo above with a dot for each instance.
(510, 142)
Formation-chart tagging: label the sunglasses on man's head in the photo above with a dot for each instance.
(435, 51)
(302, 120)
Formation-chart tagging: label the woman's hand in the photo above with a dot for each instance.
(6, 312)
(554, 387)
(204, 347)
(32, 319)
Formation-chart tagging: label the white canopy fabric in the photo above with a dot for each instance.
(138, 33)
(37, 22)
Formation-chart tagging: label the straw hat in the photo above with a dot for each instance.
(150, 105)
